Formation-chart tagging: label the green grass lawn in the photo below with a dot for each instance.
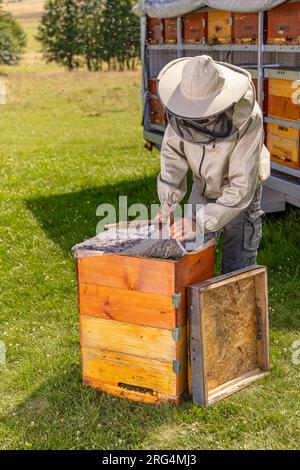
(68, 143)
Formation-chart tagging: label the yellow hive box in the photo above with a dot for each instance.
(220, 27)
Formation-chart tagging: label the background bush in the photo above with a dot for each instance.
(12, 39)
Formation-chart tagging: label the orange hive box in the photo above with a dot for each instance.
(157, 112)
(152, 86)
(133, 322)
(194, 28)
(171, 30)
(245, 28)
(284, 24)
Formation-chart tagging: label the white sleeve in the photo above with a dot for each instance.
(243, 178)
(172, 179)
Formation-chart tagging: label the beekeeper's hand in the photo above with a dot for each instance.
(184, 229)
(165, 214)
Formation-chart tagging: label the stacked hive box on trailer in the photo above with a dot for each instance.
(265, 43)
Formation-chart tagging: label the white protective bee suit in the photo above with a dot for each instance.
(227, 156)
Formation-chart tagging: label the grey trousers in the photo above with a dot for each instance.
(242, 235)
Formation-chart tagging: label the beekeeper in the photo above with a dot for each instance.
(215, 128)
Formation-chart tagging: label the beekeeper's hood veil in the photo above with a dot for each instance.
(205, 100)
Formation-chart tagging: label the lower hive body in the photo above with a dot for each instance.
(143, 363)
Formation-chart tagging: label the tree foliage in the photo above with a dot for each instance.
(59, 32)
(12, 39)
(90, 32)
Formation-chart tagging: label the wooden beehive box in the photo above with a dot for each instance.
(157, 112)
(284, 24)
(283, 144)
(133, 322)
(194, 28)
(171, 30)
(155, 30)
(229, 334)
(156, 109)
(152, 86)
(245, 28)
(220, 27)
(280, 100)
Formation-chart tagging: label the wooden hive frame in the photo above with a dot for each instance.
(229, 334)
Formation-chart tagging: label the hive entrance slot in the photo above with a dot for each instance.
(136, 388)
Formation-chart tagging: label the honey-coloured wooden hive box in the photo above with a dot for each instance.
(283, 144)
(220, 27)
(133, 320)
(229, 334)
(283, 100)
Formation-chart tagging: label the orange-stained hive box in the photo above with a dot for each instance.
(220, 27)
(155, 30)
(156, 109)
(157, 112)
(283, 144)
(284, 24)
(194, 28)
(245, 28)
(133, 322)
(152, 86)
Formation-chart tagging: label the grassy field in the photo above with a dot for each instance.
(68, 143)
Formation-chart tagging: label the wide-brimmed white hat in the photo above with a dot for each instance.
(196, 87)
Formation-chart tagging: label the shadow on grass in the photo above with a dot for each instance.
(63, 414)
(70, 218)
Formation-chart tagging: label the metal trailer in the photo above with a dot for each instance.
(263, 61)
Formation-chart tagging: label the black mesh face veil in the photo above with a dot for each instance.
(203, 131)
